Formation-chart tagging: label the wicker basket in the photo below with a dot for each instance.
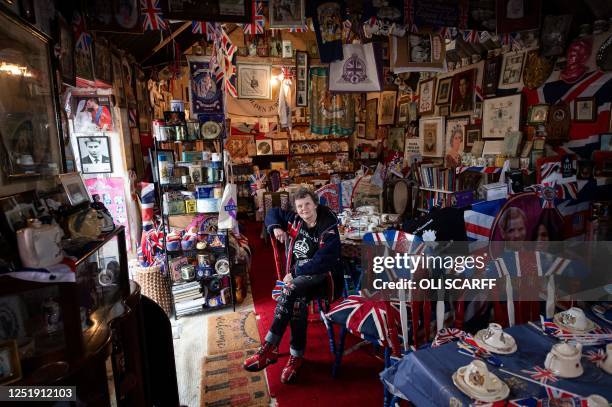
(154, 285)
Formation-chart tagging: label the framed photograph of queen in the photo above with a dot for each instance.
(427, 90)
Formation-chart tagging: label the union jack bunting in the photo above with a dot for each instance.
(596, 356)
(82, 38)
(153, 18)
(211, 30)
(256, 26)
(448, 33)
(365, 318)
(301, 29)
(541, 374)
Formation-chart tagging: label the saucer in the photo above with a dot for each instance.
(502, 392)
(603, 312)
(590, 325)
(501, 351)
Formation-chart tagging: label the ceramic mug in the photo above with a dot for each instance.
(494, 336)
(574, 318)
(564, 360)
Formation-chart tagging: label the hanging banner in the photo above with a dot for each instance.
(331, 113)
(205, 91)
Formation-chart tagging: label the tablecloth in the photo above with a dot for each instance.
(425, 377)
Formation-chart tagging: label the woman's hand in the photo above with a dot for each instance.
(280, 235)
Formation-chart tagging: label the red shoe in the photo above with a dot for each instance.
(290, 371)
(266, 355)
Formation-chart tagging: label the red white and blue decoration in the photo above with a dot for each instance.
(211, 30)
(152, 16)
(205, 86)
(256, 26)
(446, 335)
(541, 374)
(82, 39)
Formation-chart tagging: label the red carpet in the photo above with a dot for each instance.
(357, 383)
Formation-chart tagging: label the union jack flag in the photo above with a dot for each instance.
(278, 289)
(596, 356)
(227, 46)
(153, 18)
(366, 318)
(211, 30)
(446, 335)
(448, 33)
(540, 374)
(147, 198)
(479, 220)
(470, 36)
(82, 38)
(230, 79)
(256, 26)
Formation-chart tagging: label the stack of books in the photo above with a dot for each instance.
(187, 298)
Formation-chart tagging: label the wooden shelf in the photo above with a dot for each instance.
(337, 152)
(319, 140)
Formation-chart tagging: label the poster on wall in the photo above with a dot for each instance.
(95, 155)
(111, 193)
(91, 114)
(204, 89)
(115, 15)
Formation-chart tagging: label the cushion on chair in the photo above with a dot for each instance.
(365, 318)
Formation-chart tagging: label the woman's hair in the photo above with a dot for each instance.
(304, 193)
(551, 221)
(509, 214)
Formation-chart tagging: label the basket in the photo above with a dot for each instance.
(154, 285)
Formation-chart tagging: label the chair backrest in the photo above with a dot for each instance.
(274, 180)
(276, 200)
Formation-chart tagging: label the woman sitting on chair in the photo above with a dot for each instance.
(313, 242)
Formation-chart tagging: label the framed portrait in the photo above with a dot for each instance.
(10, 366)
(286, 14)
(95, 155)
(91, 114)
(254, 81)
(102, 68)
(538, 114)
(301, 66)
(431, 131)
(413, 114)
(386, 107)
(264, 147)
(361, 130)
(238, 11)
(512, 68)
(403, 113)
(75, 188)
(492, 147)
(512, 141)
(473, 133)
(444, 110)
(66, 52)
(585, 109)
(455, 140)
(395, 139)
(280, 146)
(115, 16)
(606, 142)
(444, 91)
(462, 101)
(118, 90)
(417, 52)
(29, 134)
(490, 77)
(371, 119)
(501, 115)
(517, 15)
(426, 96)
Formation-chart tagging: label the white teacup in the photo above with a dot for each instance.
(595, 400)
(494, 336)
(476, 376)
(574, 318)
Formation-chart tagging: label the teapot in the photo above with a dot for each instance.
(564, 360)
(39, 245)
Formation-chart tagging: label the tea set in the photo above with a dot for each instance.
(355, 224)
(563, 360)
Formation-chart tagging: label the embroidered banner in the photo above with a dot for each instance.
(204, 87)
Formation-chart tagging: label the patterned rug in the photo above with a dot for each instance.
(226, 383)
(232, 332)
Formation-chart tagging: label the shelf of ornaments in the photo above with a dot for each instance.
(318, 153)
(315, 140)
